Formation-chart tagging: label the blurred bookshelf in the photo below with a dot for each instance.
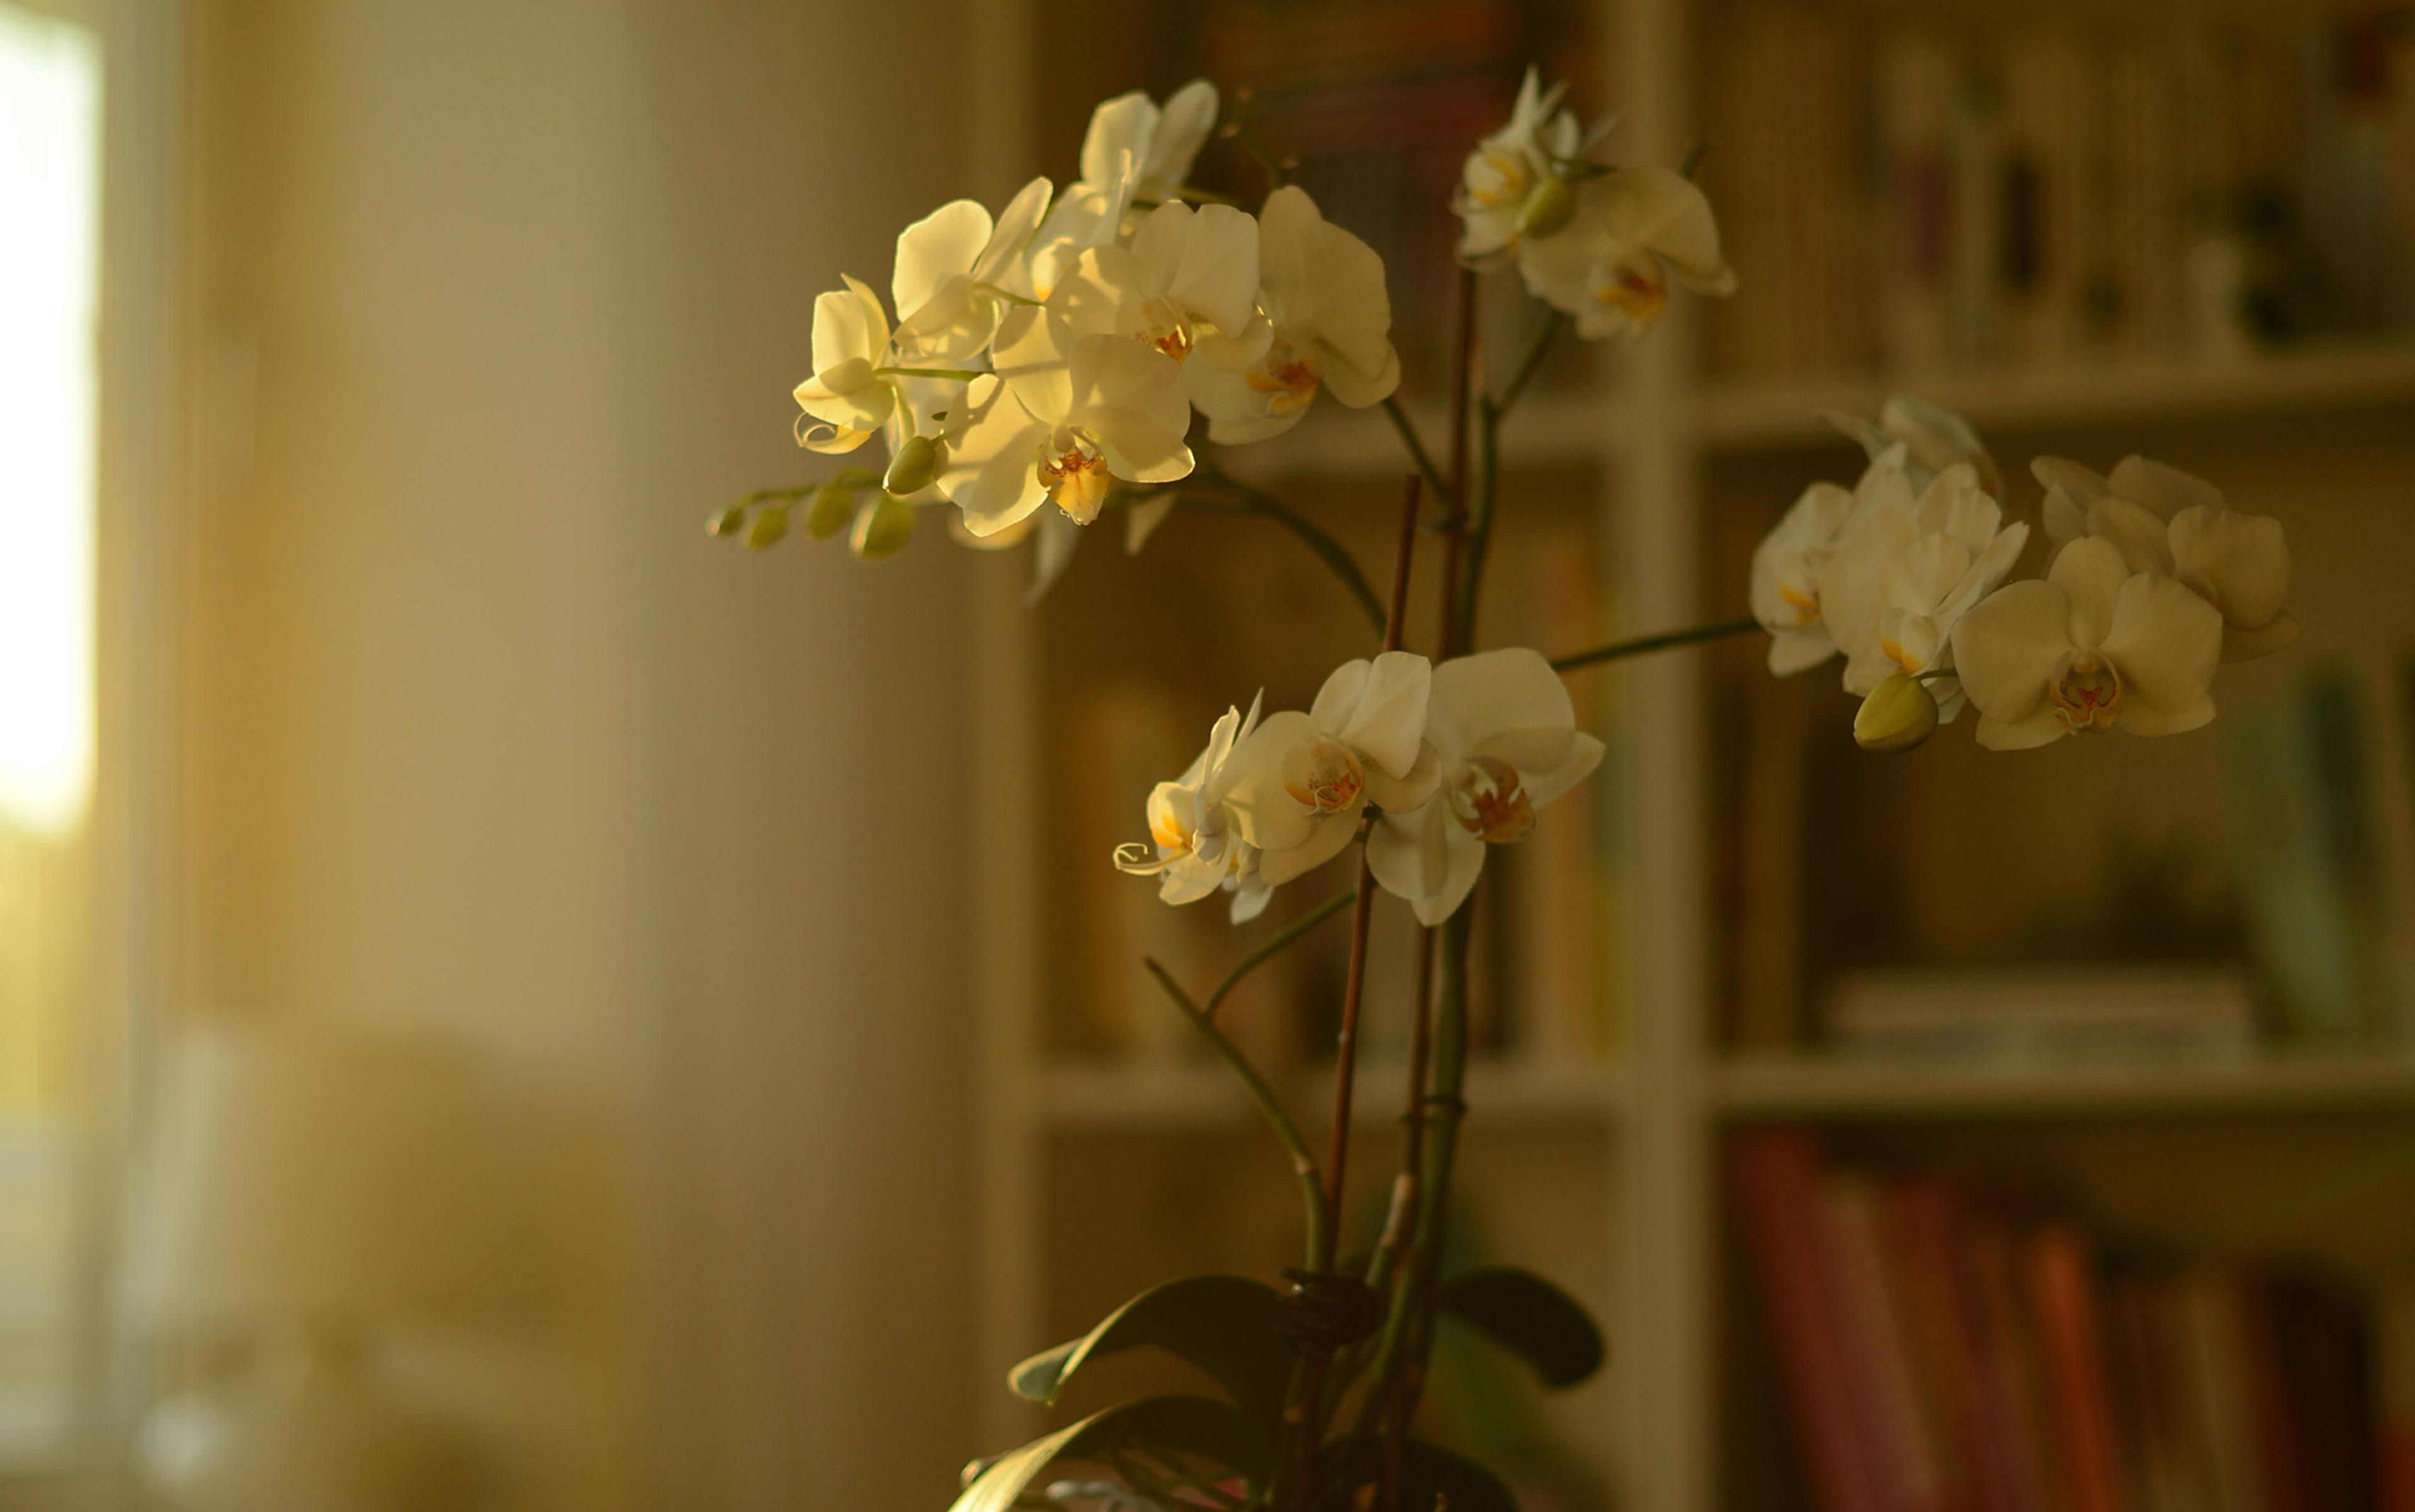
(1920, 200)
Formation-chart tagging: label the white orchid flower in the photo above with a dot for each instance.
(952, 276)
(1062, 420)
(1509, 169)
(2092, 647)
(1901, 579)
(1504, 735)
(1933, 437)
(1193, 846)
(1187, 285)
(848, 397)
(1323, 290)
(1134, 151)
(2164, 520)
(1635, 230)
(1792, 562)
(1163, 141)
(1301, 783)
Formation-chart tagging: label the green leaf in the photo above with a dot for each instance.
(1529, 1317)
(1229, 1327)
(1200, 1426)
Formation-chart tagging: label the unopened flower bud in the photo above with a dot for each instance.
(1548, 211)
(884, 524)
(832, 506)
(727, 521)
(1899, 713)
(765, 531)
(915, 466)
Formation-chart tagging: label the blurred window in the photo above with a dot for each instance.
(49, 265)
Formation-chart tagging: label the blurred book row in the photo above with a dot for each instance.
(1939, 1349)
(2033, 194)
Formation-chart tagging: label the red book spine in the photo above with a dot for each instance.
(2070, 1313)
(1924, 1214)
(1777, 1180)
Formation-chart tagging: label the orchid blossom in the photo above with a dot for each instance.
(2092, 647)
(1791, 566)
(1508, 182)
(2164, 520)
(1303, 780)
(1634, 231)
(1504, 739)
(1193, 846)
(1062, 420)
(1933, 437)
(952, 276)
(1187, 285)
(1322, 289)
(1902, 577)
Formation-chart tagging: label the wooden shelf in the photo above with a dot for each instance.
(1109, 1095)
(1847, 1091)
(1750, 416)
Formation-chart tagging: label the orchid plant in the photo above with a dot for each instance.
(1040, 372)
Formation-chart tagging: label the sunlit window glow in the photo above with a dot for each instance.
(49, 229)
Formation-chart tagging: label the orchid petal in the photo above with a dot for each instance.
(2008, 648)
(2166, 642)
(2163, 488)
(2244, 558)
(2092, 572)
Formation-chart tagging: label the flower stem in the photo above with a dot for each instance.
(1253, 500)
(961, 375)
(1398, 413)
(1282, 941)
(1309, 1403)
(1303, 1163)
(1644, 644)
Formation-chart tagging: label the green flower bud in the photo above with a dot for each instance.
(881, 528)
(766, 529)
(727, 522)
(832, 506)
(1548, 210)
(916, 464)
(1899, 713)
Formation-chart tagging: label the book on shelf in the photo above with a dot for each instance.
(2051, 188)
(2144, 1014)
(1946, 1349)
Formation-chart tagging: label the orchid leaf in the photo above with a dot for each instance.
(1431, 1478)
(1530, 1318)
(1191, 1426)
(1227, 1326)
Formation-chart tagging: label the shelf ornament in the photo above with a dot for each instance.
(1041, 374)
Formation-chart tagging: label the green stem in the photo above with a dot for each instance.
(1536, 350)
(1253, 501)
(1399, 415)
(1644, 644)
(961, 375)
(1303, 1165)
(1280, 941)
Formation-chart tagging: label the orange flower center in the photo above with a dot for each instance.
(1489, 803)
(1325, 777)
(1077, 481)
(2088, 695)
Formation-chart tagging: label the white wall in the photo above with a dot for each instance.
(483, 737)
